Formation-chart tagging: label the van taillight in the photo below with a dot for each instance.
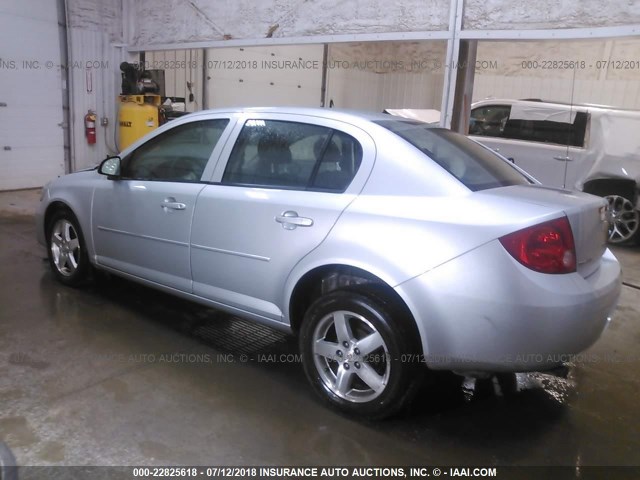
(546, 248)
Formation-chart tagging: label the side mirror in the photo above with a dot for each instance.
(110, 167)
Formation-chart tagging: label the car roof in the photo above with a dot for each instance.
(345, 115)
(582, 107)
(361, 119)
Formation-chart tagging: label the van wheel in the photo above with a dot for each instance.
(625, 220)
(359, 353)
(67, 252)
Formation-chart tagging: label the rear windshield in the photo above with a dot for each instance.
(475, 166)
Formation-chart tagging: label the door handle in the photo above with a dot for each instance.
(563, 159)
(171, 204)
(291, 220)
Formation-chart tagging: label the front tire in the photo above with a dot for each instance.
(66, 248)
(360, 354)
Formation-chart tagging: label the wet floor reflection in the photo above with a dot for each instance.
(506, 420)
(71, 393)
(223, 333)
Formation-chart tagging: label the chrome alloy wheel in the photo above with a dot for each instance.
(624, 219)
(65, 247)
(351, 356)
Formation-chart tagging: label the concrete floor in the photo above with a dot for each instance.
(117, 374)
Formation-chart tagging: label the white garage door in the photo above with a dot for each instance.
(31, 115)
(264, 76)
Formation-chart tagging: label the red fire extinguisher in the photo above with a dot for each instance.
(90, 127)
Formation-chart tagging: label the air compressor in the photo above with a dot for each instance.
(139, 111)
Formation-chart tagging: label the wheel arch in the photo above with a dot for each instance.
(81, 216)
(51, 210)
(625, 187)
(326, 278)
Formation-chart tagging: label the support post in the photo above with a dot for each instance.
(465, 74)
(453, 47)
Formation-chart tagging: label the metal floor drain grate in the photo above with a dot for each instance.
(218, 330)
(234, 335)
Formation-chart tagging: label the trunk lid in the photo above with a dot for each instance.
(587, 215)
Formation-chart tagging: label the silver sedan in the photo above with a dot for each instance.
(384, 243)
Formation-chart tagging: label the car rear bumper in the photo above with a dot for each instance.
(484, 311)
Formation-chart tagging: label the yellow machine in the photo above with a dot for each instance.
(137, 116)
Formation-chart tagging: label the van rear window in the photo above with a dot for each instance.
(472, 164)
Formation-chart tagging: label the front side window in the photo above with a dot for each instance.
(473, 165)
(179, 154)
(273, 153)
(489, 121)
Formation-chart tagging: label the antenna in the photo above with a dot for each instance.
(569, 133)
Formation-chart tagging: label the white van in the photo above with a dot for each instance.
(591, 148)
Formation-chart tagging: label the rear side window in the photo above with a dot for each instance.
(301, 156)
(340, 158)
(546, 131)
(475, 166)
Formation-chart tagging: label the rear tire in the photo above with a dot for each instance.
(66, 248)
(360, 353)
(624, 228)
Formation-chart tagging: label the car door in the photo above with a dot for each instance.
(287, 180)
(141, 222)
(546, 146)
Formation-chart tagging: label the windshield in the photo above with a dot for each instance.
(472, 164)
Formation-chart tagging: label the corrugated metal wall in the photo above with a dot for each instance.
(95, 84)
(182, 68)
(252, 76)
(95, 51)
(379, 75)
(363, 90)
(265, 76)
(292, 75)
(342, 94)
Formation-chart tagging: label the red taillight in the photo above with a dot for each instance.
(546, 248)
